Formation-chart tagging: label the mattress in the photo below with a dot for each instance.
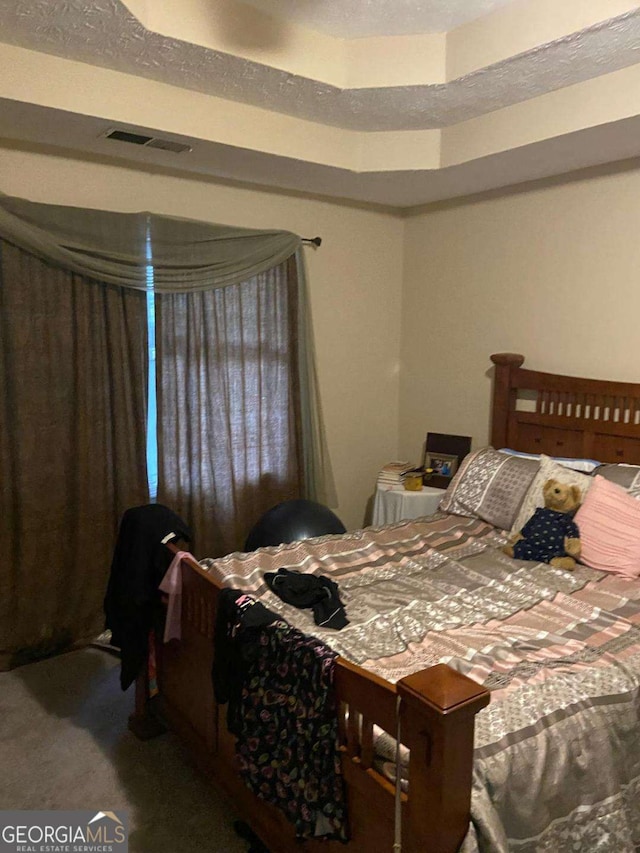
(557, 752)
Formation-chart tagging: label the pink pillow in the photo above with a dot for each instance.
(609, 523)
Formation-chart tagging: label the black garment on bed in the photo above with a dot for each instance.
(139, 563)
(279, 683)
(236, 640)
(315, 591)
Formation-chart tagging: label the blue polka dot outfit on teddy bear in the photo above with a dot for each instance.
(544, 535)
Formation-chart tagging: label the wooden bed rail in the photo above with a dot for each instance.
(438, 706)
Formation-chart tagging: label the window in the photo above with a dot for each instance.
(152, 409)
(228, 423)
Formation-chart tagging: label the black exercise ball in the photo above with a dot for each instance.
(291, 521)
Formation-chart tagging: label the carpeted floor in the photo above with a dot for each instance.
(64, 744)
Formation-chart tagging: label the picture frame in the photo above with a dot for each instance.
(443, 464)
(444, 452)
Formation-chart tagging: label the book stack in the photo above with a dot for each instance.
(392, 473)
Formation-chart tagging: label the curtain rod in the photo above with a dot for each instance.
(315, 241)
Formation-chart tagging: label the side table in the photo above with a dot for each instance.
(395, 503)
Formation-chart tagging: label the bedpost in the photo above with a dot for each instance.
(437, 717)
(142, 722)
(505, 362)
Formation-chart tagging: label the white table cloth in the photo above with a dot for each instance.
(395, 503)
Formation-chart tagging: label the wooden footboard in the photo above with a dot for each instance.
(437, 710)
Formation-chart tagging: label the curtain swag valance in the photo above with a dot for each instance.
(186, 256)
(118, 248)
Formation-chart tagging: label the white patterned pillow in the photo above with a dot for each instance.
(549, 470)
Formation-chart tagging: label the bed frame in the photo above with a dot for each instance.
(561, 416)
(564, 415)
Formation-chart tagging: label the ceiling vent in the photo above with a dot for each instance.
(168, 145)
(147, 141)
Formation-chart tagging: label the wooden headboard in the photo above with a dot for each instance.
(564, 415)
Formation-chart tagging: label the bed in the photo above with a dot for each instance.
(552, 762)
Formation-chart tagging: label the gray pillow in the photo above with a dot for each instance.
(491, 486)
(627, 476)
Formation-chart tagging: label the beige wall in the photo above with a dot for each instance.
(355, 280)
(552, 272)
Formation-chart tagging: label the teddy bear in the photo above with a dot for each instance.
(551, 535)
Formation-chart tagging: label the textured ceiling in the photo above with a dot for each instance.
(58, 107)
(357, 18)
(105, 33)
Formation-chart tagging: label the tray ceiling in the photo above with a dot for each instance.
(360, 18)
(198, 51)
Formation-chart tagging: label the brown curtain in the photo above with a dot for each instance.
(73, 361)
(229, 443)
(187, 256)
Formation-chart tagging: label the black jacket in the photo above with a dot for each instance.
(140, 561)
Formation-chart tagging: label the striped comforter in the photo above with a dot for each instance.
(558, 749)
